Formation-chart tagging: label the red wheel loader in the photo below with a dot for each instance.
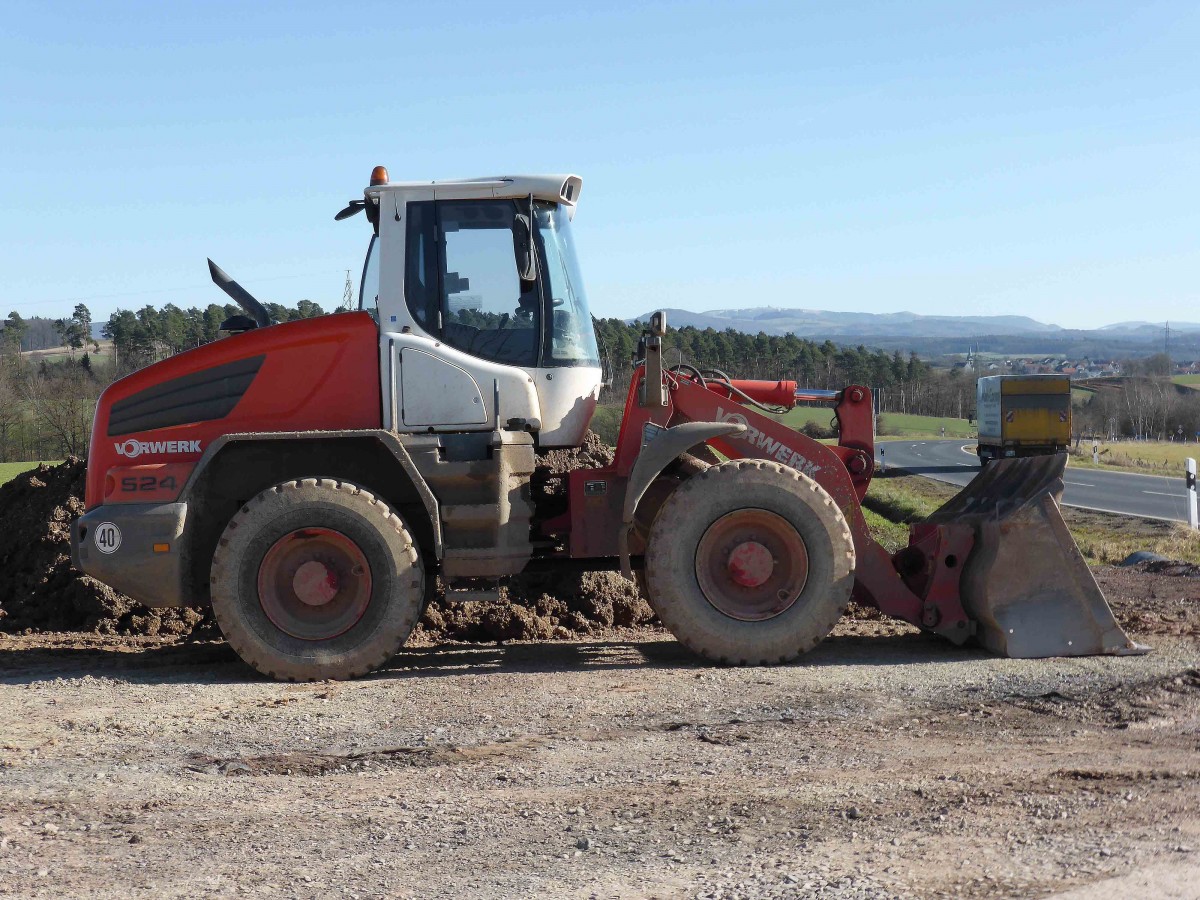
(309, 480)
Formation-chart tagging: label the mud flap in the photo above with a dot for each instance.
(1025, 583)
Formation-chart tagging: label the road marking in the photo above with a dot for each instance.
(968, 465)
(1164, 494)
(1081, 484)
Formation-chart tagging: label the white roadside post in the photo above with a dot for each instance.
(1096, 454)
(1193, 522)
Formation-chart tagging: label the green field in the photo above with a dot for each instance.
(1192, 381)
(924, 426)
(1158, 457)
(10, 470)
(802, 415)
(898, 498)
(900, 424)
(607, 422)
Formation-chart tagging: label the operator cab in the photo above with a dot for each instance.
(482, 313)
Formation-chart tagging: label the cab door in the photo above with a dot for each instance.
(473, 332)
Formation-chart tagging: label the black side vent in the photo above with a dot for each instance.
(198, 397)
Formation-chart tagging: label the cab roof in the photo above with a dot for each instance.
(555, 188)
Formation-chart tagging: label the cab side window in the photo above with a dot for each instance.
(461, 280)
(484, 311)
(421, 291)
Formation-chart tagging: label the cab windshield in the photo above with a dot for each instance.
(572, 339)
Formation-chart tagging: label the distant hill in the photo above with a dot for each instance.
(822, 323)
(1152, 329)
(936, 335)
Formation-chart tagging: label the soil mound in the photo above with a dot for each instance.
(1159, 597)
(593, 454)
(39, 589)
(539, 606)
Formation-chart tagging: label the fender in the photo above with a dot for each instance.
(388, 439)
(665, 446)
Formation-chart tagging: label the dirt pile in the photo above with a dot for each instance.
(593, 454)
(1159, 597)
(539, 606)
(39, 589)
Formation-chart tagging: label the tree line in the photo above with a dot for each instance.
(46, 404)
(148, 335)
(47, 400)
(903, 382)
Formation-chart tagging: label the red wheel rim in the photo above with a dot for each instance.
(751, 564)
(314, 583)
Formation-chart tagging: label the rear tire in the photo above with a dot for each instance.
(750, 562)
(316, 579)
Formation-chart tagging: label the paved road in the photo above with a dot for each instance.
(1153, 496)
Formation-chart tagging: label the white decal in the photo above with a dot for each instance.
(107, 537)
(772, 449)
(132, 449)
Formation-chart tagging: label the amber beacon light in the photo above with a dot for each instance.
(379, 175)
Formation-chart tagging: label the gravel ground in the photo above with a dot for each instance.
(886, 764)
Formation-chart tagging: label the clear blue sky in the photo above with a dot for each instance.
(1028, 158)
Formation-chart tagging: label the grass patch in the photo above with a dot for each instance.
(803, 415)
(896, 499)
(1106, 539)
(607, 422)
(10, 470)
(892, 536)
(1148, 457)
(907, 425)
(897, 424)
(1192, 381)
(900, 497)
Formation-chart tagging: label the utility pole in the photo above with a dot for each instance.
(348, 294)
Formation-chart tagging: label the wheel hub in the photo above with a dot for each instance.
(314, 583)
(751, 564)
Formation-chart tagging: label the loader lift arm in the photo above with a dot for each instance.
(958, 575)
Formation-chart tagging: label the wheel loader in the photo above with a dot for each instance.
(310, 480)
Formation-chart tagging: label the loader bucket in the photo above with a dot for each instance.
(1025, 583)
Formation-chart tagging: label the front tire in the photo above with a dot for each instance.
(316, 579)
(750, 562)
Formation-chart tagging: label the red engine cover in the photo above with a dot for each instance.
(317, 374)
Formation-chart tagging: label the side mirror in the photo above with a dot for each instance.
(524, 252)
(355, 206)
